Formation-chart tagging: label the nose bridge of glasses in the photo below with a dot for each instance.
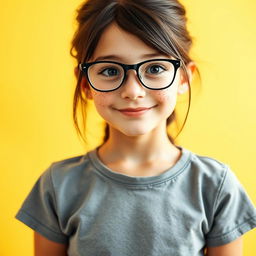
(134, 67)
(132, 84)
(130, 67)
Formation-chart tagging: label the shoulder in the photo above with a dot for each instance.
(210, 170)
(205, 177)
(223, 197)
(212, 180)
(68, 182)
(70, 165)
(215, 173)
(207, 164)
(68, 172)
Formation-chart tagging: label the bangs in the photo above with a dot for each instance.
(151, 31)
(135, 20)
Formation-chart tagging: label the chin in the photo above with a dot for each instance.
(135, 133)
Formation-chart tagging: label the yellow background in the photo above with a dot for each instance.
(37, 85)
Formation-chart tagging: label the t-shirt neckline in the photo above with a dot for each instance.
(169, 174)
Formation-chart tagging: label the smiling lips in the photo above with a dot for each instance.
(134, 111)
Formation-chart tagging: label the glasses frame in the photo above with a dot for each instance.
(84, 67)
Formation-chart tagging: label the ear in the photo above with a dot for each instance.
(184, 85)
(84, 85)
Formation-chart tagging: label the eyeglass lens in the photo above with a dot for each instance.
(153, 74)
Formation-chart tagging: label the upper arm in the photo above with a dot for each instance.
(234, 248)
(43, 246)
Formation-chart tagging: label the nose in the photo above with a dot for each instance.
(132, 87)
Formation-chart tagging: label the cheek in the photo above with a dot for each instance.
(164, 96)
(167, 100)
(168, 95)
(100, 99)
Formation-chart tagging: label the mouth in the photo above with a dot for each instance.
(135, 111)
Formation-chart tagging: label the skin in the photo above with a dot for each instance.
(234, 248)
(135, 143)
(43, 247)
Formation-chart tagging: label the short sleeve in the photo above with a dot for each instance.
(39, 210)
(234, 213)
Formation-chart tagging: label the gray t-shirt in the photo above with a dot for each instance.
(196, 203)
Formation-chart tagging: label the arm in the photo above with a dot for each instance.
(234, 248)
(43, 246)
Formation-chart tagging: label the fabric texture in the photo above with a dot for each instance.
(197, 203)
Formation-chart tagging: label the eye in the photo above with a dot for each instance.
(155, 69)
(111, 71)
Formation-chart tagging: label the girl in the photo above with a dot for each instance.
(137, 193)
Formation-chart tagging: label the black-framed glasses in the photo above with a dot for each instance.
(154, 74)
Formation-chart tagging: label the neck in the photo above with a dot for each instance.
(137, 149)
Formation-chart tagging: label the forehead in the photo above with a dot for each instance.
(118, 44)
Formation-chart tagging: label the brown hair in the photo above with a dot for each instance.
(159, 23)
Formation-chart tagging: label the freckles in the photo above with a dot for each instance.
(162, 96)
(100, 98)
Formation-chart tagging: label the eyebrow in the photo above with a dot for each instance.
(119, 58)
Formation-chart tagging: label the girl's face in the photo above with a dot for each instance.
(120, 108)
